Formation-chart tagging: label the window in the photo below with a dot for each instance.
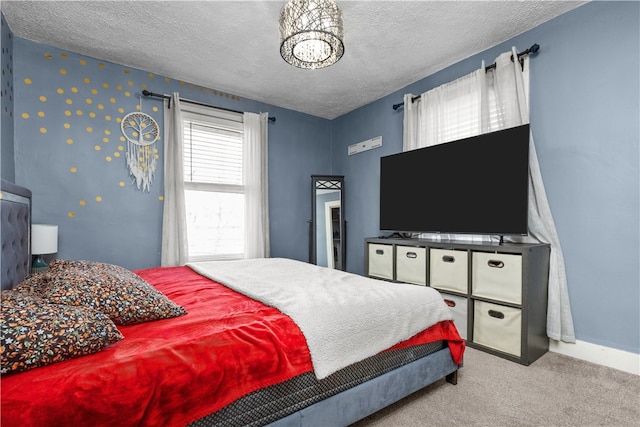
(214, 184)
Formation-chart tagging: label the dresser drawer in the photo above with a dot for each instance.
(381, 261)
(497, 276)
(411, 265)
(458, 307)
(448, 270)
(497, 326)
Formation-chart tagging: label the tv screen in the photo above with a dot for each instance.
(475, 185)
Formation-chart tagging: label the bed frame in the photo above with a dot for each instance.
(15, 227)
(341, 409)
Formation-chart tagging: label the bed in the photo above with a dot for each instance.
(223, 352)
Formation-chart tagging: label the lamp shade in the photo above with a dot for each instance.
(311, 33)
(44, 239)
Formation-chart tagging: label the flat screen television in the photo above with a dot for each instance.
(476, 185)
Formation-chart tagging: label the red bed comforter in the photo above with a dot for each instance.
(171, 372)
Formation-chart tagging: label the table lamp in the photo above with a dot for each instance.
(44, 240)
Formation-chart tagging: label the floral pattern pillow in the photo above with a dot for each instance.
(113, 290)
(34, 332)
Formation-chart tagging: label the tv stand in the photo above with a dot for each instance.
(497, 291)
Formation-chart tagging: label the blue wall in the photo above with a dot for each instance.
(7, 165)
(585, 121)
(70, 152)
(584, 116)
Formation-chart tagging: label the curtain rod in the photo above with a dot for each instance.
(533, 49)
(160, 95)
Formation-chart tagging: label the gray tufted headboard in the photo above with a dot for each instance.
(15, 229)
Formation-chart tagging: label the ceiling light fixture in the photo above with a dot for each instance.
(311, 33)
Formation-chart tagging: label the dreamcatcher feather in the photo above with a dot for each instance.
(141, 131)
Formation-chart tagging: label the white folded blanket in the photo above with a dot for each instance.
(344, 317)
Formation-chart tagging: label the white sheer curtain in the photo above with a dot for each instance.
(255, 143)
(174, 224)
(483, 102)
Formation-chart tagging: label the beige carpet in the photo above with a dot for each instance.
(555, 390)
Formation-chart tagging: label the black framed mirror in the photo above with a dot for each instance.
(328, 228)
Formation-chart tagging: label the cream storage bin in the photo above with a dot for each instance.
(448, 270)
(381, 261)
(458, 307)
(411, 265)
(497, 276)
(497, 326)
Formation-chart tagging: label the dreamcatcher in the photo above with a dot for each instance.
(141, 131)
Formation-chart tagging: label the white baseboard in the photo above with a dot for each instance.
(606, 356)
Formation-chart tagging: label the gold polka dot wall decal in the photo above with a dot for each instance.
(92, 115)
(105, 85)
(116, 154)
(27, 80)
(118, 120)
(127, 93)
(89, 129)
(83, 62)
(73, 169)
(89, 101)
(143, 85)
(127, 71)
(97, 148)
(69, 141)
(60, 91)
(63, 71)
(121, 110)
(120, 147)
(69, 101)
(83, 203)
(87, 80)
(101, 65)
(151, 75)
(63, 55)
(105, 139)
(161, 198)
(107, 132)
(130, 83)
(25, 115)
(108, 158)
(79, 112)
(182, 83)
(167, 79)
(98, 199)
(67, 113)
(74, 89)
(43, 130)
(112, 100)
(191, 86)
(107, 118)
(100, 107)
(119, 87)
(155, 109)
(47, 55)
(71, 214)
(94, 91)
(43, 98)
(138, 107)
(67, 126)
(40, 113)
(121, 183)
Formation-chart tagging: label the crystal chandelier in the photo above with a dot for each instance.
(311, 33)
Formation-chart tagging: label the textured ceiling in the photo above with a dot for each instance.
(233, 46)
